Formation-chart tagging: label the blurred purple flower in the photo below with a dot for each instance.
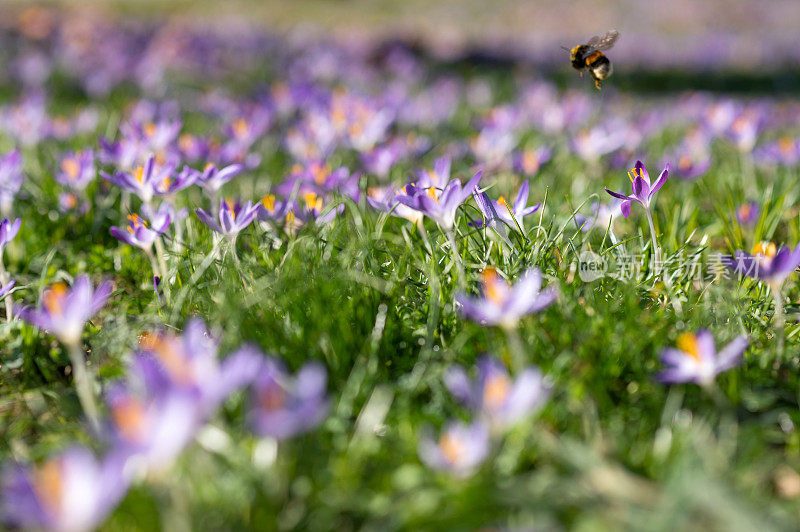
(139, 233)
(285, 406)
(189, 362)
(529, 161)
(602, 215)
(63, 311)
(767, 263)
(460, 449)
(8, 231)
(10, 178)
(504, 305)
(233, 217)
(494, 395)
(748, 213)
(77, 170)
(70, 492)
(145, 181)
(513, 215)
(212, 179)
(439, 204)
(696, 359)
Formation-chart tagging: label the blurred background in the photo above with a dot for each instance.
(749, 45)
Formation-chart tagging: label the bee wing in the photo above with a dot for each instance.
(606, 41)
(593, 41)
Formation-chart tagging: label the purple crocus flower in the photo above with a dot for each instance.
(504, 305)
(139, 233)
(6, 288)
(440, 204)
(8, 230)
(494, 395)
(70, 492)
(271, 208)
(76, 170)
(233, 217)
(529, 161)
(696, 359)
(602, 215)
(766, 262)
(643, 190)
(438, 176)
(748, 213)
(10, 178)
(460, 449)
(385, 200)
(144, 181)
(212, 178)
(285, 406)
(153, 429)
(189, 362)
(64, 311)
(513, 215)
(691, 167)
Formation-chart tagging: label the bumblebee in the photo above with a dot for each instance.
(590, 56)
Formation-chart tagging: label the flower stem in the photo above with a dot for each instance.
(83, 385)
(4, 278)
(780, 321)
(516, 348)
(162, 265)
(456, 257)
(656, 250)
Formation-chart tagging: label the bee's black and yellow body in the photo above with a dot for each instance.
(588, 56)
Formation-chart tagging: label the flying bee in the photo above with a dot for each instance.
(591, 57)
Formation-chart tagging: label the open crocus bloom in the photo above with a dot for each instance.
(502, 304)
(460, 449)
(139, 233)
(64, 311)
(71, 492)
(766, 262)
(643, 190)
(189, 362)
(233, 217)
(152, 429)
(696, 358)
(144, 181)
(512, 215)
(439, 204)
(502, 400)
(285, 406)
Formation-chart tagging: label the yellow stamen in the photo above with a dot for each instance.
(451, 448)
(786, 145)
(240, 127)
(272, 398)
(70, 167)
(433, 193)
(767, 249)
(687, 342)
(268, 202)
(313, 202)
(129, 417)
(186, 141)
(48, 484)
(150, 129)
(635, 172)
(138, 173)
(492, 285)
(169, 352)
(496, 391)
(53, 298)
